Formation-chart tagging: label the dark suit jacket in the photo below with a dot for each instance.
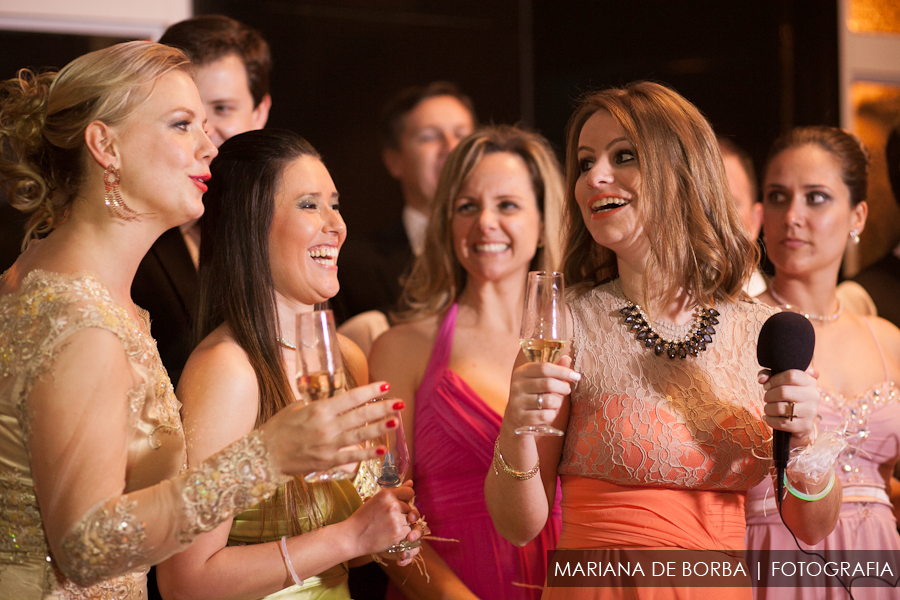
(12, 230)
(166, 285)
(370, 270)
(882, 281)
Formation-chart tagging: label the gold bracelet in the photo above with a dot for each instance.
(520, 475)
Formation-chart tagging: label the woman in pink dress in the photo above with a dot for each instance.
(665, 420)
(494, 219)
(814, 204)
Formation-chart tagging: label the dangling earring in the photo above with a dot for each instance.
(854, 236)
(114, 202)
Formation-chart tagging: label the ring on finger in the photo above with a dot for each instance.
(540, 402)
(790, 414)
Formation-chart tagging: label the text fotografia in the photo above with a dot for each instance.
(709, 568)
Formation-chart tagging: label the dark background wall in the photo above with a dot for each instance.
(754, 67)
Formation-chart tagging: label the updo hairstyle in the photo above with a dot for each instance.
(43, 118)
(849, 151)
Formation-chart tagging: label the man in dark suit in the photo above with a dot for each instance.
(420, 126)
(231, 70)
(12, 232)
(882, 279)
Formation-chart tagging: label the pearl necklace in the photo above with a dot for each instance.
(286, 343)
(820, 318)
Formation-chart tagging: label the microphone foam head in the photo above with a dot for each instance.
(786, 341)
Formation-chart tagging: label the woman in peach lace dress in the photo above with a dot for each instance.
(660, 398)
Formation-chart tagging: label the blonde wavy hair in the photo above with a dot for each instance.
(437, 276)
(43, 118)
(697, 242)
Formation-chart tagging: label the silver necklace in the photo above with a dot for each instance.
(820, 318)
(286, 344)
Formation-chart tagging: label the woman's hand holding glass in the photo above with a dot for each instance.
(389, 521)
(390, 472)
(307, 438)
(543, 333)
(549, 381)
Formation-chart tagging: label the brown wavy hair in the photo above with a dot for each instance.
(697, 242)
(437, 277)
(43, 117)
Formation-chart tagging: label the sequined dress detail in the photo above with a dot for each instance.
(871, 421)
(105, 553)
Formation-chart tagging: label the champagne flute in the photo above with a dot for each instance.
(543, 333)
(320, 370)
(390, 470)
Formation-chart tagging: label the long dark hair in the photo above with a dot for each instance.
(235, 276)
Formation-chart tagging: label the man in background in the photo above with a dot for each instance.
(882, 279)
(231, 69)
(420, 127)
(742, 182)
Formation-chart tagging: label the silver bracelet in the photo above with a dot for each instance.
(287, 562)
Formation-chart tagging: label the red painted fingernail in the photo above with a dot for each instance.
(399, 405)
(392, 423)
(380, 451)
(385, 387)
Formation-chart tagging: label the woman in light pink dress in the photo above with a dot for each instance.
(814, 195)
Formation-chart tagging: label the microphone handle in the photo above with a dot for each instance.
(781, 448)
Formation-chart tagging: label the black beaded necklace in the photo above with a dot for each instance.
(692, 344)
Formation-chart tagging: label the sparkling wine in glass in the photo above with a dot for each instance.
(390, 470)
(543, 333)
(320, 369)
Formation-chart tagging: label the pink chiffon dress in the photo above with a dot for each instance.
(454, 437)
(872, 422)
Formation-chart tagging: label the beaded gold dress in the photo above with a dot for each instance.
(107, 543)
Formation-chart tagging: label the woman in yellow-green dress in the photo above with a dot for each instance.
(271, 236)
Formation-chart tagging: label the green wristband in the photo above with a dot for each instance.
(809, 497)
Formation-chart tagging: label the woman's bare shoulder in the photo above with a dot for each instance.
(354, 359)
(407, 345)
(888, 335)
(219, 368)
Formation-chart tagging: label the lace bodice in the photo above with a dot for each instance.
(109, 540)
(641, 419)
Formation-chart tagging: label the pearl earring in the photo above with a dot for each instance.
(854, 236)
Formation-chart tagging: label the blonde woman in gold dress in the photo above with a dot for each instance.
(106, 155)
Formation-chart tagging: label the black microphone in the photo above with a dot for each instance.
(786, 341)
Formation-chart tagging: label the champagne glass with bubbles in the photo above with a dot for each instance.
(543, 333)
(320, 369)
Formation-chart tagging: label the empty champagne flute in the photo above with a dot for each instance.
(543, 333)
(320, 370)
(390, 470)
